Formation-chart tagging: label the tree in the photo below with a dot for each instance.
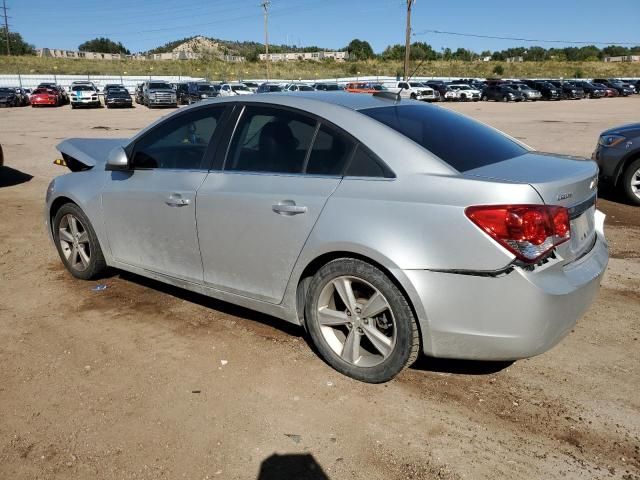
(17, 45)
(360, 50)
(498, 70)
(103, 45)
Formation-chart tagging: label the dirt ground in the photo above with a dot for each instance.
(145, 381)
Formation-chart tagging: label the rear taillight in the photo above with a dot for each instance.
(528, 231)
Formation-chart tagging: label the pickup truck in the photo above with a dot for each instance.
(413, 90)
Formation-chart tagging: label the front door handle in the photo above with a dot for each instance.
(288, 208)
(176, 200)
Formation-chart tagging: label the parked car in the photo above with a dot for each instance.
(502, 93)
(327, 87)
(61, 93)
(23, 95)
(465, 92)
(618, 155)
(446, 93)
(156, 93)
(608, 91)
(269, 88)
(569, 91)
(527, 92)
(182, 91)
(45, 96)
(117, 96)
(365, 87)
(382, 235)
(9, 97)
(241, 89)
(590, 90)
(546, 89)
(298, 87)
(84, 82)
(412, 90)
(253, 86)
(83, 95)
(1, 157)
(197, 91)
(622, 89)
(138, 95)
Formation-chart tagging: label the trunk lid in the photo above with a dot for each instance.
(559, 180)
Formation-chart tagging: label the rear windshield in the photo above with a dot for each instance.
(459, 141)
(82, 88)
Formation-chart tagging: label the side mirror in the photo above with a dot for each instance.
(117, 160)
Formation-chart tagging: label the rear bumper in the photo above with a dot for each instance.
(512, 316)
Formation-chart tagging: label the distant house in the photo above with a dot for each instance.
(623, 58)
(175, 55)
(294, 56)
(515, 59)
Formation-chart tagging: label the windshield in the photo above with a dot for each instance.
(205, 88)
(275, 88)
(416, 84)
(435, 129)
(160, 86)
(40, 90)
(82, 88)
(331, 88)
(305, 88)
(117, 90)
(239, 88)
(378, 87)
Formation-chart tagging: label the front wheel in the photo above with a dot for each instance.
(360, 322)
(631, 182)
(77, 243)
(505, 99)
(485, 98)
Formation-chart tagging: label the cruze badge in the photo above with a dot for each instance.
(564, 196)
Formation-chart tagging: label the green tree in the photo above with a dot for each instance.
(103, 45)
(17, 45)
(535, 54)
(360, 50)
(498, 70)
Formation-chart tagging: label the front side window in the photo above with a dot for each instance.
(459, 141)
(270, 140)
(180, 142)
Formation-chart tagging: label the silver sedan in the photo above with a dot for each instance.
(386, 228)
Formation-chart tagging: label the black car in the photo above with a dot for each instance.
(327, 87)
(623, 89)
(501, 93)
(197, 91)
(182, 90)
(569, 91)
(117, 96)
(618, 156)
(548, 91)
(9, 97)
(269, 88)
(590, 90)
(440, 87)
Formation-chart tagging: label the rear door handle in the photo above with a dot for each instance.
(176, 200)
(288, 208)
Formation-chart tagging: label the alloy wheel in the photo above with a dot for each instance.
(356, 321)
(74, 242)
(635, 183)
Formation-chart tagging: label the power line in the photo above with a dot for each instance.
(573, 42)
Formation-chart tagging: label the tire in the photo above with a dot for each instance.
(505, 99)
(631, 181)
(413, 96)
(392, 326)
(485, 98)
(78, 240)
(73, 107)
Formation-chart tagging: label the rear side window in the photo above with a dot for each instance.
(330, 153)
(459, 141)
(363, 164)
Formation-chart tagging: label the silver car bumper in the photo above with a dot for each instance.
(513, 316)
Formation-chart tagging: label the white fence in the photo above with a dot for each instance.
(32, 81)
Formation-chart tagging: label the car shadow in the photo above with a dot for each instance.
(10, 177)
(608, 192)
(301, 466)
(462, 367)
(214, 304)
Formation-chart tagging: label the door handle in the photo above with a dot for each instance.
(176, 200)
(288, 208)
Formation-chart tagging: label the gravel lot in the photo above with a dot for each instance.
(147, 381)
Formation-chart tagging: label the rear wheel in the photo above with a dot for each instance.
(360, 322)
(77, 243)
(631, 182)
(505, 98)
(485, 98)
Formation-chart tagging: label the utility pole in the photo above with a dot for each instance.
(6, 25)
(265, 5)
(407, 42)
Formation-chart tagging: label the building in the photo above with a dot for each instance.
(175, 55)
(515, 59)
(295, 56)
(624, 58)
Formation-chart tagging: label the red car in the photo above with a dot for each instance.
(44, 96)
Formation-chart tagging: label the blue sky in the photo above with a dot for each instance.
(328, 23)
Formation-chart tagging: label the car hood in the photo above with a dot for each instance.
(91, 152)
(628, 129)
